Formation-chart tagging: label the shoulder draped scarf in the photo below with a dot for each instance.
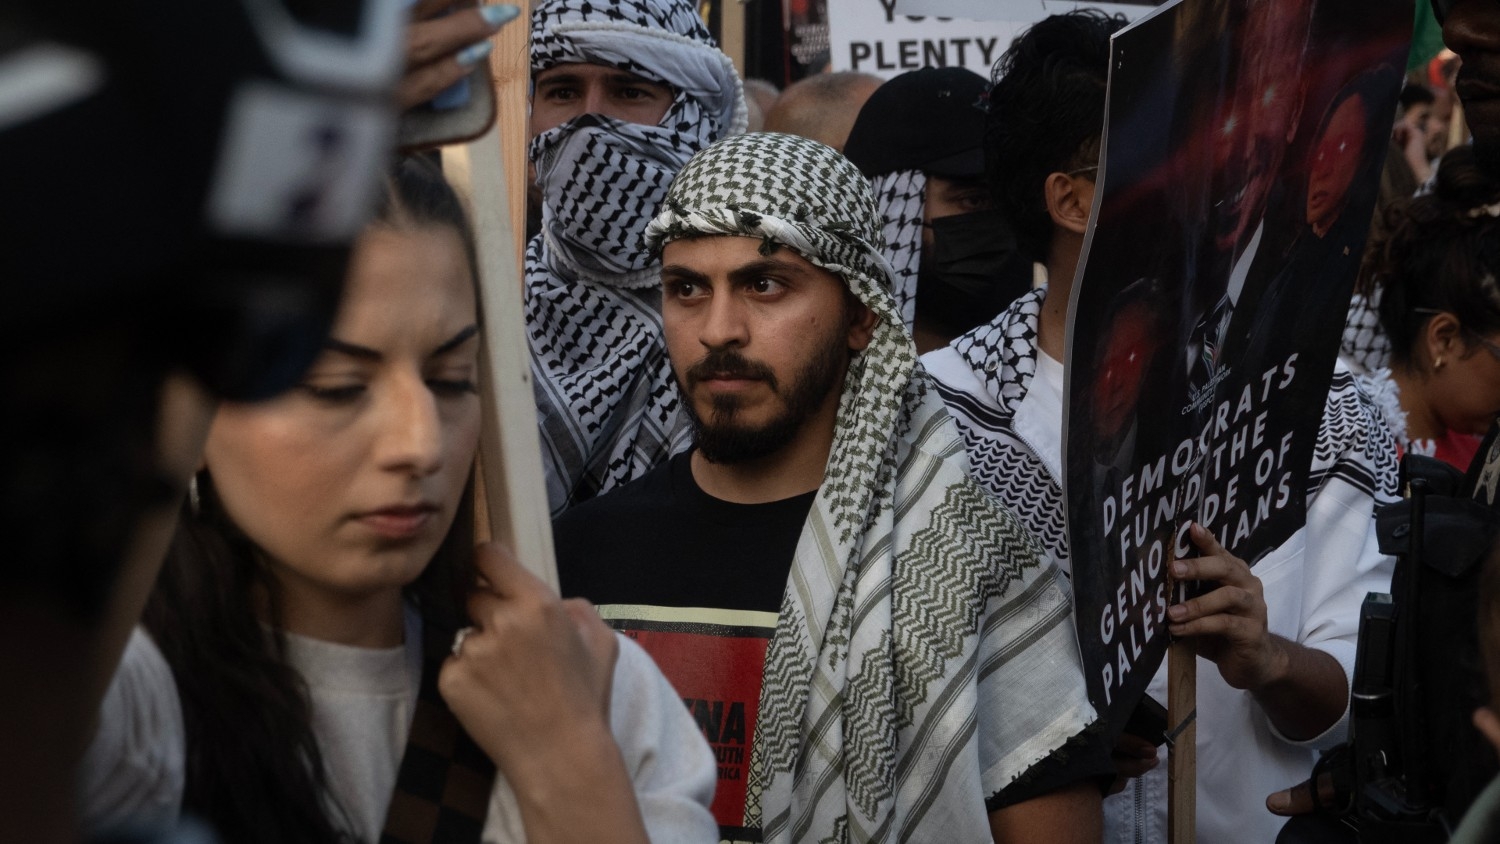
(924, 656)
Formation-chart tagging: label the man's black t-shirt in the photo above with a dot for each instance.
(663, 541)
(698, 582)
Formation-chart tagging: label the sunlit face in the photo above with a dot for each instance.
(1437, 136)
(1467, 399)
(1335, 158)
(759, 343)
(349, 482)
(1418, 115)
(565, 91)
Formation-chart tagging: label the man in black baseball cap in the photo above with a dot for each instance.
(919, 139)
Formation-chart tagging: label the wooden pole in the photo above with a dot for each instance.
(492, 172)
(512, 68)
(1182, 752)
(732, 32)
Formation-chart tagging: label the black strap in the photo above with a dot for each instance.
(443, 786)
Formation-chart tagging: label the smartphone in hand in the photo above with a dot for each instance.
(459, 113)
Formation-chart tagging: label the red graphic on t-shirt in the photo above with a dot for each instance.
(717, 672)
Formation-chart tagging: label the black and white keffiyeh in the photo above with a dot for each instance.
(1364, 345)
(607, 406)
(1003, 351)
(900, 197)
(923, 657)
(1002, 355)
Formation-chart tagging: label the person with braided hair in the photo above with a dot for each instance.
(874, 647)
(1440, 306)
(625, 91)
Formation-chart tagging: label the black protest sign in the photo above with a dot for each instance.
(1237, 179)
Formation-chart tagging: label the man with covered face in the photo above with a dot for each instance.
(871, 643)
(920, 140)
(624, 92)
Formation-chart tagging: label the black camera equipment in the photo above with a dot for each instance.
(1413, 762)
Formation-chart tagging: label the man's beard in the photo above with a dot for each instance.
(722, 439)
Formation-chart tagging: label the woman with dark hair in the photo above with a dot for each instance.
(294, 680)
(1440, 307)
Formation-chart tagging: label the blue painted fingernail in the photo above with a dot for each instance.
(499, 15)
(471, 54)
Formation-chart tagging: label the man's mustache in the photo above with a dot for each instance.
(728, 363)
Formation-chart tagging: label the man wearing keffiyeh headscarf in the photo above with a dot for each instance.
(625, 92)
(871, 643)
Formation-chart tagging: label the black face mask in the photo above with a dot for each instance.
(972, 273)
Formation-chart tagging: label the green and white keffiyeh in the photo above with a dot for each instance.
(924, 657)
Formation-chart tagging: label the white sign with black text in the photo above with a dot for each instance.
(879, 36)
(1028, 10)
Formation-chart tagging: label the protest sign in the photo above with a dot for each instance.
(1236, 183)
(1027, 10)
(886, 38)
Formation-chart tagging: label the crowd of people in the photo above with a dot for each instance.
(800, 401)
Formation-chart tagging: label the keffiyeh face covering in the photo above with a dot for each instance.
(607, 403)
(603, 179)
(875, 723)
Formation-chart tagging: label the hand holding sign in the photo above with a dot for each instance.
(1302, 689)
(1229, 623)
(1133, 757)
(562, 650)
(530, 683)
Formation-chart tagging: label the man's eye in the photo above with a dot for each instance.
(683, 289)
(559, 94)
(766, 286)
(974, 201)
